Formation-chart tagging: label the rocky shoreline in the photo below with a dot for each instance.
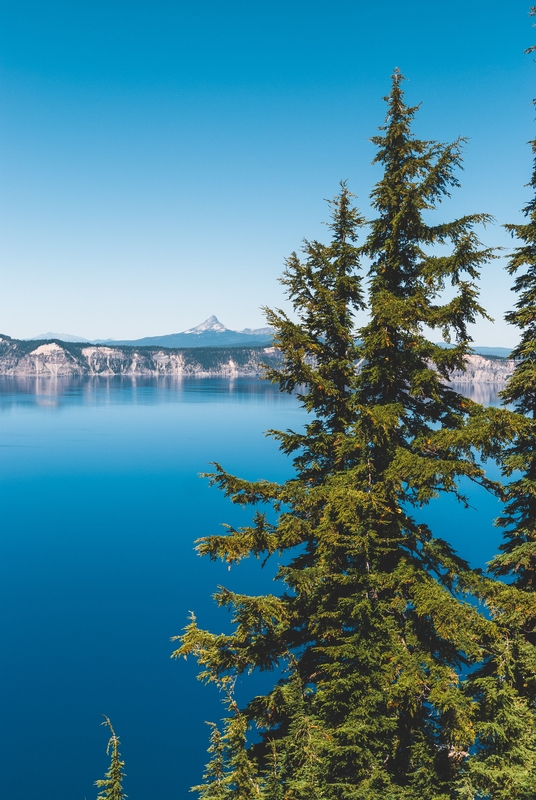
(65, 359)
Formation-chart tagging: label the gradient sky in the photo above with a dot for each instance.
(159, 160)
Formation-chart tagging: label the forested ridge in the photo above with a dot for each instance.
(58, 358)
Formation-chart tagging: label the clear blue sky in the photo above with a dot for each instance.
(158, 160)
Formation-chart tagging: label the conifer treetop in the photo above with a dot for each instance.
(504, 764)
(112, 784)
(518, 556)
(369, 630)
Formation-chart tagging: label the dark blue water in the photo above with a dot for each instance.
(100, 503)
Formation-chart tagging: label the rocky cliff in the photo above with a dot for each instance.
(484, 370)
(63, 359)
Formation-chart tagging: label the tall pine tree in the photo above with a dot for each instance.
(370, 633)
(503, 763)
(519, 549)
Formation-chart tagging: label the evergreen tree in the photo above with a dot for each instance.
(273, 789)
(112, 784)
(503, 765)
(214, 786)
(371, 633)
(519, 550)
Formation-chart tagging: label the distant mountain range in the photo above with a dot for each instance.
(499, 352)
(210, 333)
(489, 352)
(62, 337)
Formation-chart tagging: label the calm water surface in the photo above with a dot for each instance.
(100, 503)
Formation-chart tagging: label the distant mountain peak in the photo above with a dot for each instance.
(210, 333)
(258, 331)
(210, 324)
(64, 337)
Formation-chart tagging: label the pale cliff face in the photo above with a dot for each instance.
(47, 359)
(484, 370)
(53, 359)
(46, 349)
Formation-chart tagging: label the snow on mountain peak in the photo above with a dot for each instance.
(210, 324)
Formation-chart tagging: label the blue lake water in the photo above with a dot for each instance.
(100, 503)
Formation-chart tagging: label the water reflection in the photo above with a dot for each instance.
(100, 504)
(51, 392)
(487, 394)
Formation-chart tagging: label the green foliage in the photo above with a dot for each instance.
(230, 771)
(519, 550)
(504, 764)
(112, 784)
(370, 631)
(214, 785)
